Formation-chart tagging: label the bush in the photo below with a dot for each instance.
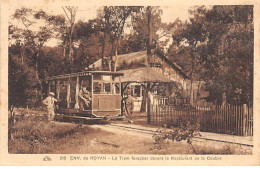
(185, 132)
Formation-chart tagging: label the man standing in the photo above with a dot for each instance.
(49, 102)
(128, 105)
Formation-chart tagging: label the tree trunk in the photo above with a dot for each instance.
(144, 99)
(191, 80)
(70, 46)
(103, 51)
(110, 64)
(64, 49)
(22, 54)
(191, 92)
(115, 64)
(111, 56)
(150, 38)
(41, 91)
(38, 78)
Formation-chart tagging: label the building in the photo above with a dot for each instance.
(169, 78)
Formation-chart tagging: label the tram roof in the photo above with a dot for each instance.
(84, 73)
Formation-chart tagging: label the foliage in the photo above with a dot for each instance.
(30, 61)
(183, 133)
(216, 46)
(139, 36)
(113, 20)
(36, 135)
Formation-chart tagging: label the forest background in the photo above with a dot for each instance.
(215, 44)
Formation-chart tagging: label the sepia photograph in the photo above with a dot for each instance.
(131, 80)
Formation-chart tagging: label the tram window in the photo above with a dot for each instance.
(97, 77)
(96, 87)
(106, 78)
(116, 78)
(107, 87)
(116, 88)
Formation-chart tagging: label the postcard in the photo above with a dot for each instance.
(126, 83)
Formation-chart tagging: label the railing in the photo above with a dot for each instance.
(170, 101)
(229, 119)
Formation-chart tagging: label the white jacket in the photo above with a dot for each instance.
(49, 102)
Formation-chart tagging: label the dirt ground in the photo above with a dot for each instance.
(33, 134)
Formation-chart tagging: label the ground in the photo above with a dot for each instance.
(33, 134)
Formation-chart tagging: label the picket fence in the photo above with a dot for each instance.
(228, 119)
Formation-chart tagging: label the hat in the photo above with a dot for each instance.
(52, 94)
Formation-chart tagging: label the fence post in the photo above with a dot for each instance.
(58, 89)
(156, 114)
(245, 113)
(148, 111)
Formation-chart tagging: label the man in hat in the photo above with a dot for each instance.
(49, 102)
(128, 105)
(85, 97)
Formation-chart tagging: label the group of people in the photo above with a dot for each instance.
(84, 102)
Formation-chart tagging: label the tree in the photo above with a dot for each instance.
(31, 42)
(217, 44)
(159, 32)
(154, 31)
(232, 36)
(114, 22)
(190, 37)
(27, 56)
(70, 12)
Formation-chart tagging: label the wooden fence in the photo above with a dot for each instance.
(228, 119)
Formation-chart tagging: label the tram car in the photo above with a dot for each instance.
(88, 94)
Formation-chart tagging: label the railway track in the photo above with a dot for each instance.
(150, 131)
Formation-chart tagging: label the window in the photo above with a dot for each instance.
(107, 88)
(137, 91)
(115, 78)
(116, 88)
(157, 65)
(97, 77)
(106, 77)
(96, 87)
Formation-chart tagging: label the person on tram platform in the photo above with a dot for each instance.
(85, 98)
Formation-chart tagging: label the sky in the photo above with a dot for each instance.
(170, 13)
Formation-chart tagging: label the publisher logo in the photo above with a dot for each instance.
(46, 158)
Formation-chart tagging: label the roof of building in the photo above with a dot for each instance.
(174, 65)
(143, 74)
(140, 56)
(128, 58)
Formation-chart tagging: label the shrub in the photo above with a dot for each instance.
(185, 132)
